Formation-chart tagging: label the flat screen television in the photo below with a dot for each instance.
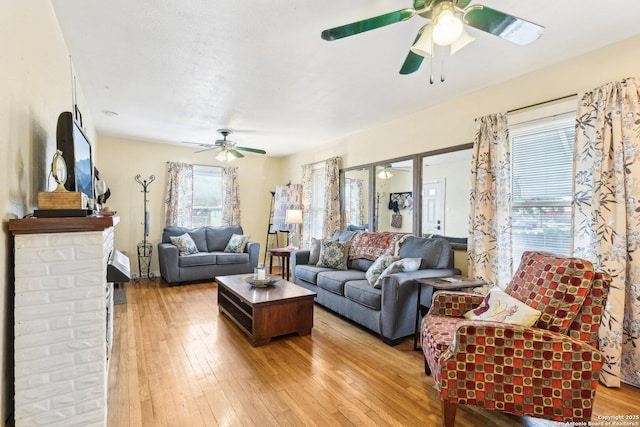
(76, 151)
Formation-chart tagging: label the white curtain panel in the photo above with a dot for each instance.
(606, 216)
(489, 245)
(231, 214)
(178, 197)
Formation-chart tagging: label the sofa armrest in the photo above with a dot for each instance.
(168, 261)
(399, 301)
(253, 249)
(454, 304)
(300, 257)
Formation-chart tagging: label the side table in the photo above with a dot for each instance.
(284, 254)
(452, 283)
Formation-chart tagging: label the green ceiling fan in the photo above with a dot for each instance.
(446, 28)
(229, 150)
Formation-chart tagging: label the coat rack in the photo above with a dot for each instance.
(145, 249)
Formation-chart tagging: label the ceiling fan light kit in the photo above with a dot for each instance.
(228, 149)
(446, 28)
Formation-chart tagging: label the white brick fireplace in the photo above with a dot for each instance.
(61, 322)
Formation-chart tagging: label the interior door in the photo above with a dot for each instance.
(433, 206)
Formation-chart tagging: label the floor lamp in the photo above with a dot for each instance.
(293, 217)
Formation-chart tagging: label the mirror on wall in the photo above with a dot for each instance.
(355, 199)
(446, 181)
(393, 201)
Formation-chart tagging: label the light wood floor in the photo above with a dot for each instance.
(177, 362)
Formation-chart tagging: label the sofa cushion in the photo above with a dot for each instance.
(309, 273)
(201, 258)
(498, 306)
(185, 244)
(378, 266)
(334, 280)
(218, 237)
(333, 254)
(554, 284)
(197, 234)
(359, 264)
(435, 253)
(314, 250)
(223, 258)
(237, 243)
(361, 292)
(399, 266)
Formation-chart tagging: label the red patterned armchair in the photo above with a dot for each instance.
(548, 370)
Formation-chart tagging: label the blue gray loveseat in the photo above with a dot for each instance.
(210, 260)
(389, 311)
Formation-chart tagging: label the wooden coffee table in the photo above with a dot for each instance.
(264, 313)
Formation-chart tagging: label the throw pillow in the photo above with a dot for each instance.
(314, 251)
(333, 254)
(498, 306)
(185, 244)
(237, 243)
(399, 266)
(378, 267)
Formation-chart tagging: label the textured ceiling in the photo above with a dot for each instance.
(176, 71)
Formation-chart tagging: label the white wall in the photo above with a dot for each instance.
(35, 87)
(452, 123)
(120, 160)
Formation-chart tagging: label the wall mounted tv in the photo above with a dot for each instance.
(76, 151)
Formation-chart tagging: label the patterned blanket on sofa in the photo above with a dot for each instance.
(371, 245)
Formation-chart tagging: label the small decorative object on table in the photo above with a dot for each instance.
(262, 283)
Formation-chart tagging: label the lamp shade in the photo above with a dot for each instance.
(293, 216)
(424, 45)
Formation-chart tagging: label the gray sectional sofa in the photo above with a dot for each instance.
(389, 311)
(210, 261)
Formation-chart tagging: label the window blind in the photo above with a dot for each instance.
(542, 174)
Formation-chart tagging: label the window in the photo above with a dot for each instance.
(317, 200)
(207, 196)
(541, 180)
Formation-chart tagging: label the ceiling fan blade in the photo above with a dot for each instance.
(367, 24)
(236, 153)
(251, 150)
(500, 24)
(462, 3)
(206, 149)
(413, 61)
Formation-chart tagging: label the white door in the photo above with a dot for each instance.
(433, 206)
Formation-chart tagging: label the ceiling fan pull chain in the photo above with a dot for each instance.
(442, 69)
(431, 60)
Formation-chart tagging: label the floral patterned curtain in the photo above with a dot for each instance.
(178, 199)
(307, 188)
(331, 222)
(230, 197)
(606, 216)
(489, 248)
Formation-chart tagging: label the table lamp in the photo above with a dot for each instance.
(293, 217)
